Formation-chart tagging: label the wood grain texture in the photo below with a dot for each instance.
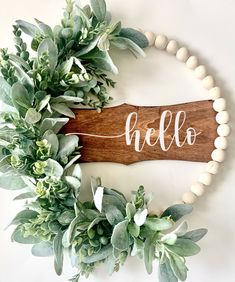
(111, 121)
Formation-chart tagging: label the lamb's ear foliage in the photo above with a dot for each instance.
(71, 69)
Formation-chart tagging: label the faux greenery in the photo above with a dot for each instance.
(66, 67)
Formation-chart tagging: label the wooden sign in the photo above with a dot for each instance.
(128, 134)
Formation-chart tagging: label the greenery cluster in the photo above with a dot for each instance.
(67, 67)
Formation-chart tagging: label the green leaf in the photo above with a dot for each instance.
(98, 198)
(66, 99)
(158, 224)
(103, 43)
(44, 102)
(24, 216)
(181, 229)
(116, 194)
(176, 212)
(125, 43)
(138, 248)
(165, 273)
(67, 145)
(149, 252)
(32, 116)
(28, 28)
(184, 247)
(66, 217)
(58, 253)
(54, 124)
(18, 60)
(120, 237)
(111, 200)
(102, 60)
(69, 234)
(113, 215)
(140, 217)
(133, 229)
(53, 169)
(99, 9)
(178, 266)
(53, 141)
(11, 182)
(24, 78)
(46, 29)
(21, 98)
(169, 239)
(5, 92)
(130, 210)
(115, 29)
(102, 254)
(136, 36)
(88, 48)
(195, 235)
(26, 195)
(18, 236)
(48, 46)
(63, 109)
(74, 183)
(76, 171)
(72, 161)
(42, 249)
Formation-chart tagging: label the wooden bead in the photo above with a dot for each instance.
(212, 167)
(219, 105)
(208, 82)
(215, 93)
(192, 62)
(205, 178)
(223, 130)
(221, 143)
(172, 47)
(222, 117)
(218, 155)
(200, 72)
(197, 189)
(151, 37)
(189, 197)
(182, 54)
(161, 42)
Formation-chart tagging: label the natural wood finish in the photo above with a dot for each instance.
(111, 121)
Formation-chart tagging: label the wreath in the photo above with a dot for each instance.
(67, 67)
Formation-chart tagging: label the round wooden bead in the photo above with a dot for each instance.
(182, 54)
(197, 189)
(212, 167)
(222, 117)
(205, 178)
(208, 82)
(151, 37)
(221, 143)
(223, 130)
(219, 104)
(189, 197)
(161, 42)
(218, 155)
(172, 47)
(192, 62)
(215, 93)
(200, 72)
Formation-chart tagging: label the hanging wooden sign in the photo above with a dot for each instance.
(128, 134)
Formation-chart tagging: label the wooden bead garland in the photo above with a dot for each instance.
(219, 105)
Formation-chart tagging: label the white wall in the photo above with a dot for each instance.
(207, 27)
